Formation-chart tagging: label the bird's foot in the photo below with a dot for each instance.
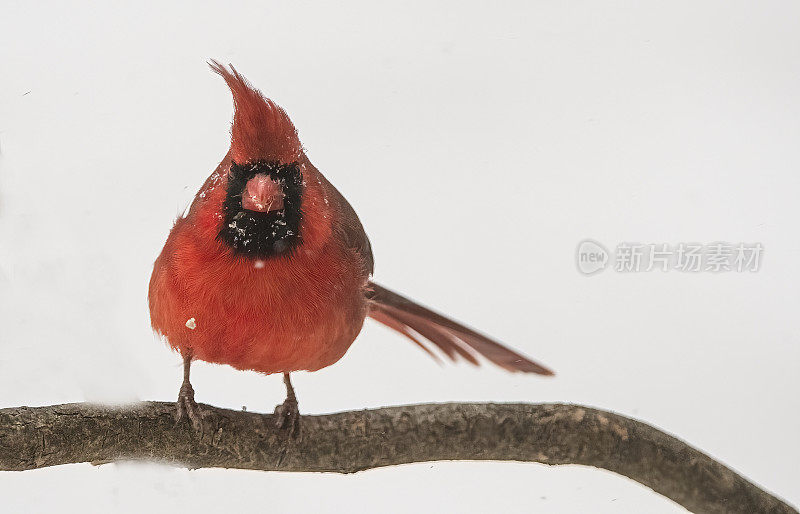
(188, 408)
(287, 416)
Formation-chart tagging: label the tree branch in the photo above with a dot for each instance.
(352, 441)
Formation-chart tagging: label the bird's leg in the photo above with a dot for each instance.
(287, 414)
(187, 407)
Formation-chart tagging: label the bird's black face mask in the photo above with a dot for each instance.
(261, 211)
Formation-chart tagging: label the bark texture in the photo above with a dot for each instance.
(352, 441)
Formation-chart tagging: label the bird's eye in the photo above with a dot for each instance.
(235, 170)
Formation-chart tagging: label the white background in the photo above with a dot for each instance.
(479, 143)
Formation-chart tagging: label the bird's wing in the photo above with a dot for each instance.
(350, 230)
(454, 339)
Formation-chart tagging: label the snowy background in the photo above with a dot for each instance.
(479, 145)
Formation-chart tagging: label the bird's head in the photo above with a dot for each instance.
(265, 189)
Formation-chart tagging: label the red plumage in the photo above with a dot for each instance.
(297, 311)
(261, 129)
(300, 300)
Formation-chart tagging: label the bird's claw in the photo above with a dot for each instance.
(287, 416)
(188, 408)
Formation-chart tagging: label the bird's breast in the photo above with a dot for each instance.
(298, 312)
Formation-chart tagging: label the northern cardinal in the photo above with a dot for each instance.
(270, 268)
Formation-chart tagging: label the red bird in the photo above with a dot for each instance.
(269, 269)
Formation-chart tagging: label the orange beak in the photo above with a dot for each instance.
(262, 194)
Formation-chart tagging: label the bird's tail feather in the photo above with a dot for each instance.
(454, 339)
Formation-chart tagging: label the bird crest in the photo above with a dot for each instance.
(261, 129)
